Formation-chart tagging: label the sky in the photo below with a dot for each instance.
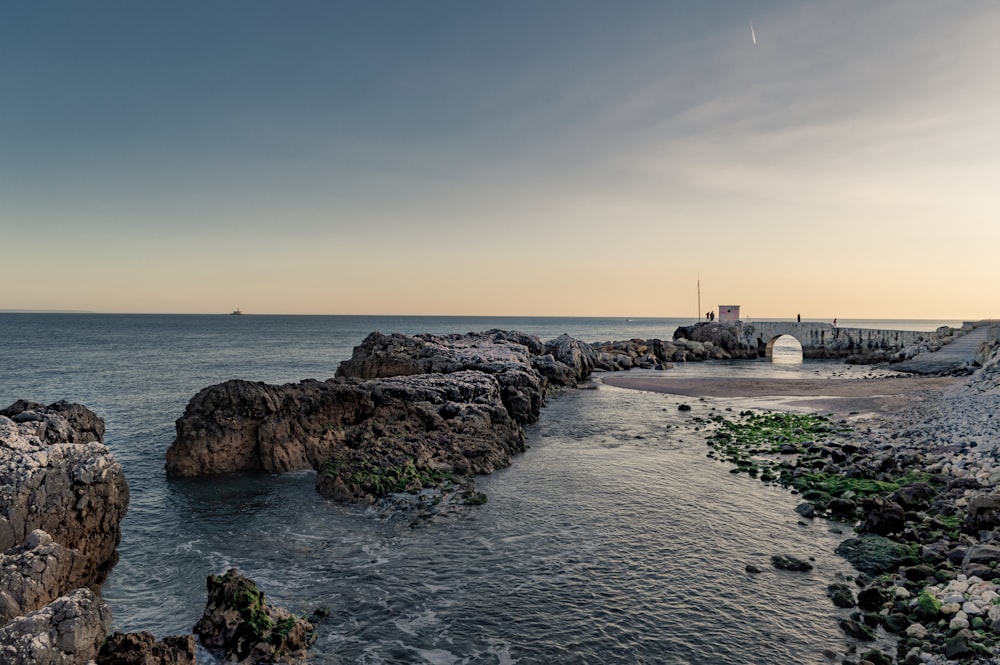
(523, 158)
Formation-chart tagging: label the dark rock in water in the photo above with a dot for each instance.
(806, 509)
(753, 570)
(841, 595)
(857, 629)
(143, 649)
(684, 407)
(841, 507)
(883, 517)
(876, 657)
(403, 413)
(870, 599)
(68, 630)
(896, 622)
(239, 623)
(874, 554)
(784, 562)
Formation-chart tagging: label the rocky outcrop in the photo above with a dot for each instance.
(240, 625)
(67, 631)
(144, 649)
(637, 353)
(62, 498)
(718, 341)
(404, 413)
(73, 489)
(36, 572)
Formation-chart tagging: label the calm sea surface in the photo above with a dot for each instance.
(612, 540)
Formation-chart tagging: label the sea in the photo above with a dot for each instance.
(613, 539)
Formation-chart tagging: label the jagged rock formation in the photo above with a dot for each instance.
(67, 631)
(143, 649)
(240, 625)
(62, 498)
(716, 341)
(637, 353)
(54, 478)
(403, 413)
(36, 572)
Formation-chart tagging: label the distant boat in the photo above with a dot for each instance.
(236, 312)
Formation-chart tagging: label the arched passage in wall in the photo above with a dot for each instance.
(784, 349)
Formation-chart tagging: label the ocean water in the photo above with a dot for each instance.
(613, 539)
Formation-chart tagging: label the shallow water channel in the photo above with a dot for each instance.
(612, 540)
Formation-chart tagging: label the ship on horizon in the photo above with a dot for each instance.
(236, 312)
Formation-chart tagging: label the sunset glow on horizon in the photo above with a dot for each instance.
(549, 158)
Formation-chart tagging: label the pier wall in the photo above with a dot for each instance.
(823, 340)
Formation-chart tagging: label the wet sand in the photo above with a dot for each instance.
(827, 395)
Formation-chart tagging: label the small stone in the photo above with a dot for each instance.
(917, 631)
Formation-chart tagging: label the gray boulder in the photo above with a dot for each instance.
(68, 631)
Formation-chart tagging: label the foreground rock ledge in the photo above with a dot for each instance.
(404, 413)
(62, 499)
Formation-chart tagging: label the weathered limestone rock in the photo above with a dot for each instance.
(239, 623)
(60, 422)
(68, 631)
(456, 407)
(75, 492)
(728, 340)
(642, 353)
(248, 426)
(37, 572)
(144, 649)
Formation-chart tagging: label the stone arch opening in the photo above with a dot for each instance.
(784, 349)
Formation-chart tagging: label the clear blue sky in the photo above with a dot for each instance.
(536, 157)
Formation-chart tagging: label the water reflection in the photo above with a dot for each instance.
(786, 351)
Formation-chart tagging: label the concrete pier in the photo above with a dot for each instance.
(823, 340)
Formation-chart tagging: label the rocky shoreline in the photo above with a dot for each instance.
(409, 421)
(920, 486)
(62, 498)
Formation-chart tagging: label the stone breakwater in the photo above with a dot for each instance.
(403, 413)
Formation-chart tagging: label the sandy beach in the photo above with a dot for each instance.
(841, 396)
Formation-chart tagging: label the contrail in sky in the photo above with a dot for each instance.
(753, 34)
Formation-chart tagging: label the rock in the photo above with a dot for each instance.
(75, 492)
(784, 562)
(143, 649)
(841, 595)
(870, 599)
(806, 509)
(981, 554)
(239, 623)
(916, 496)
(883, 517)
(734, 340)
(60, 422)
(856, 629)
(874, 554)
(958, 647)
(983, 513)
(37, 572)
(67, 631)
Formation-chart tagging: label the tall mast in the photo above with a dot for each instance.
(699, 297)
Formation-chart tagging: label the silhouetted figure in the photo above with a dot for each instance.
(799, 317)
